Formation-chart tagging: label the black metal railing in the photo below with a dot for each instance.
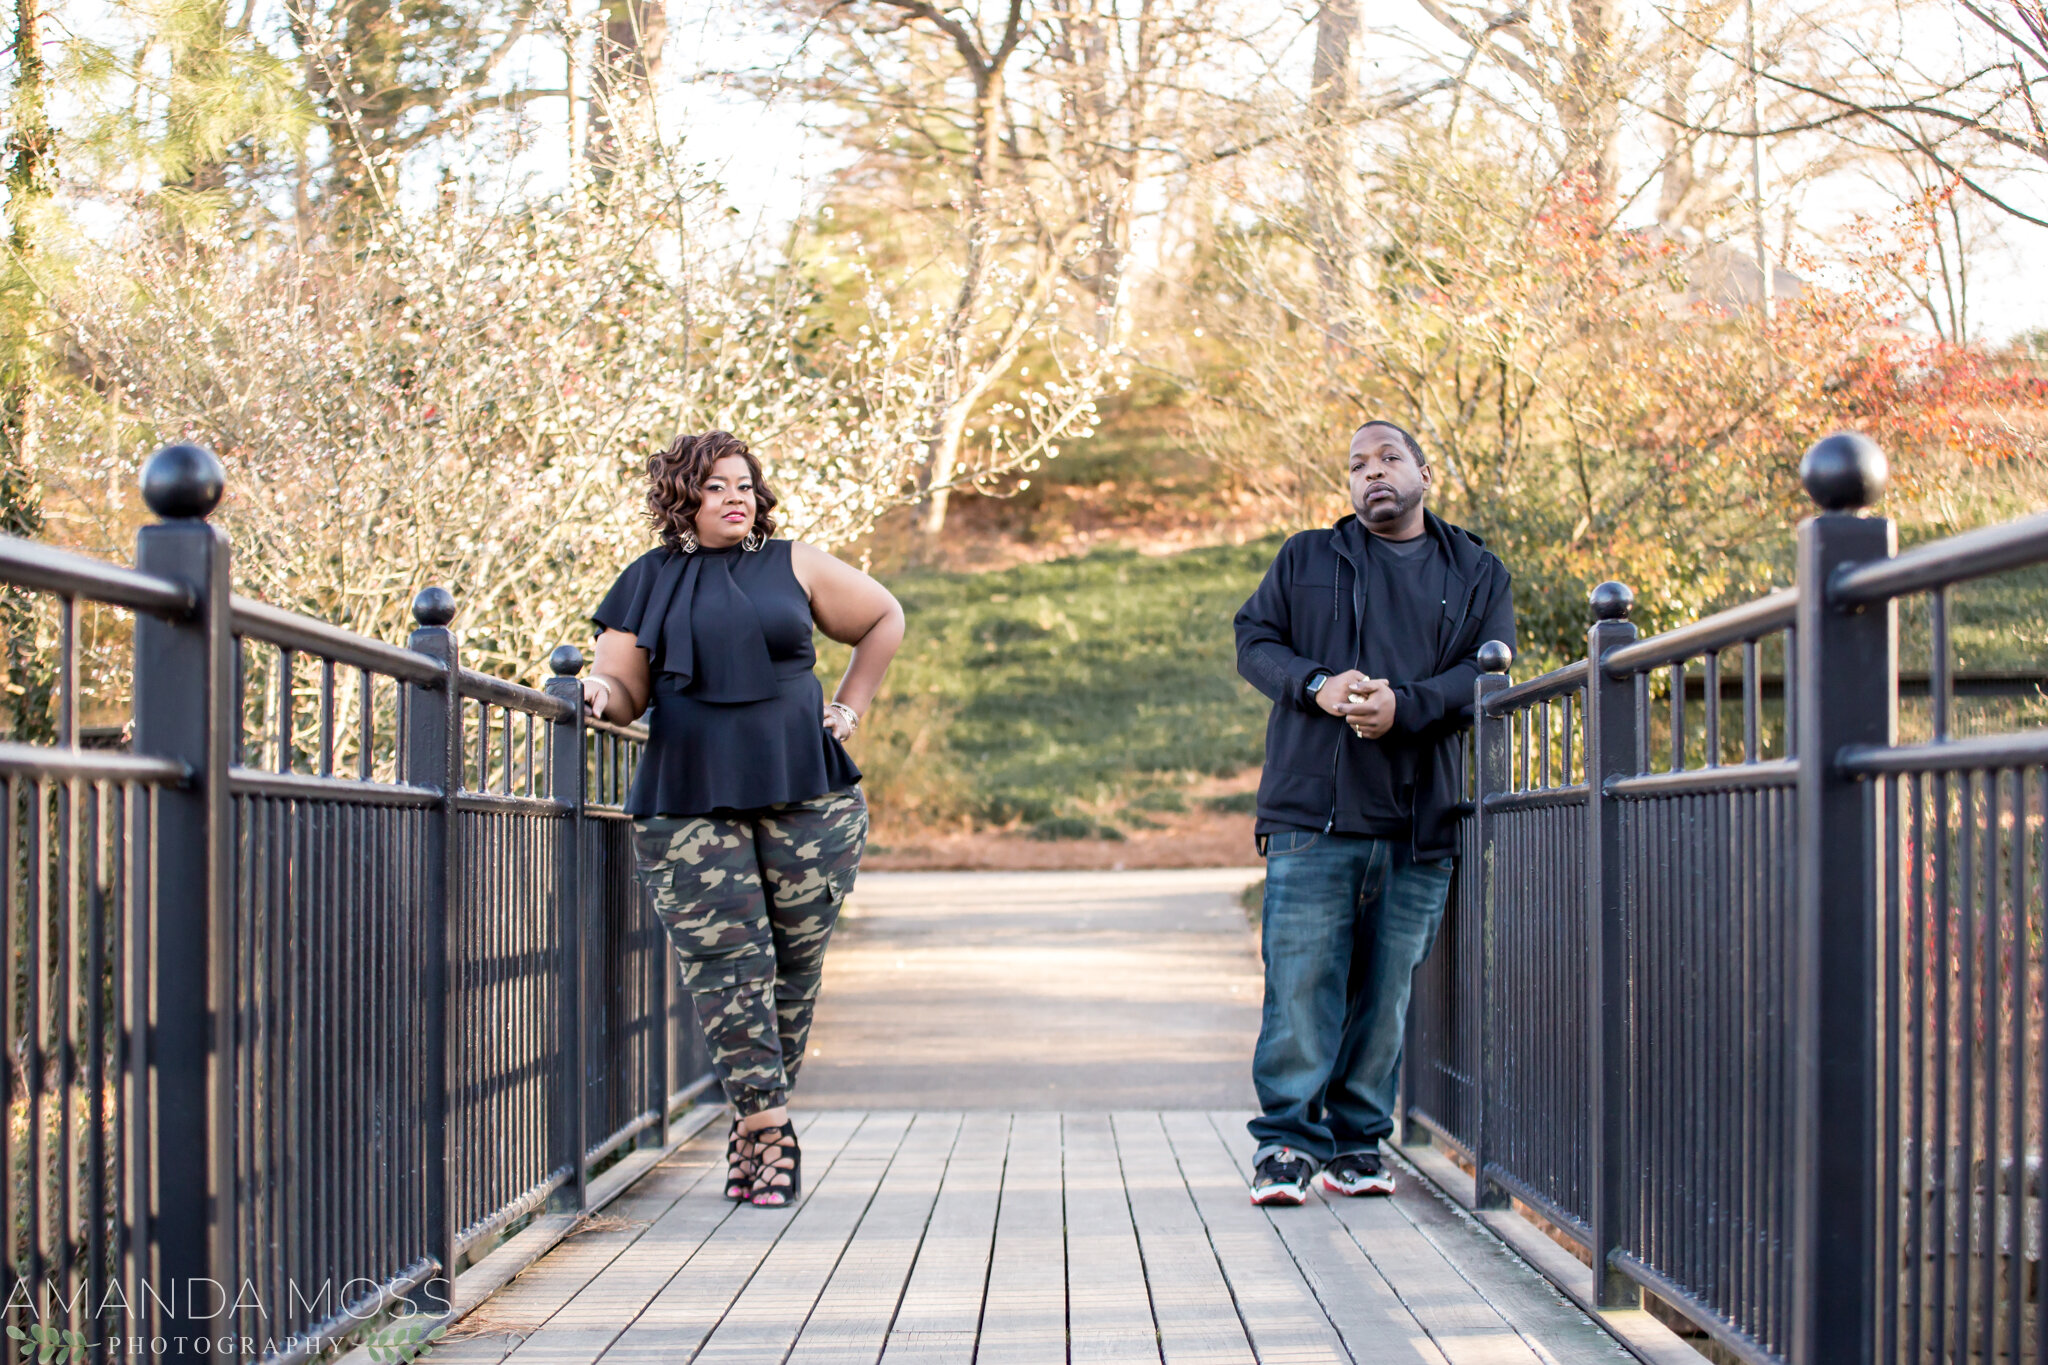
(325, 984)
(1742, 996)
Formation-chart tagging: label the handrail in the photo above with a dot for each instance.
(34, 565)
(274, 625)
(498, 692)
(89, 765)
(1953, 559)
(1737, 625)
(2023, 750)
(636, 731)
(1570, 678)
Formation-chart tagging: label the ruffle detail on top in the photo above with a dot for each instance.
(698, 626)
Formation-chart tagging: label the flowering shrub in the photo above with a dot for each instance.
(466, 394)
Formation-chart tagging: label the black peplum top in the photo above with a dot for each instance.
(736, 717)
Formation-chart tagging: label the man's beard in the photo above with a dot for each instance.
(1395, 509)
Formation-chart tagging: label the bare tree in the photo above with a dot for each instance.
(1016, 137)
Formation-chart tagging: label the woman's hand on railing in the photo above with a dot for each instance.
(597, 695)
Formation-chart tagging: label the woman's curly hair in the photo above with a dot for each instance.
(675, 484)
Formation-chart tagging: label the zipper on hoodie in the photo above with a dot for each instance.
(1357, 653)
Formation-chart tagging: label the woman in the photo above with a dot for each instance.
(748, 817)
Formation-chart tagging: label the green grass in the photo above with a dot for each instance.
(1063, 696)
(1048, 693)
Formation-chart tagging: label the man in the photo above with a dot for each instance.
(1366, 636)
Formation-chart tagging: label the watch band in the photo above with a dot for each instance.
(1317, 679)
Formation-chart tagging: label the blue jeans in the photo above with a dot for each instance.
(1346, 922)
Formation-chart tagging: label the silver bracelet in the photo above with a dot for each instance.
(852, 716)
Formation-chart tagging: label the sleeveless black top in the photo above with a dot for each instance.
(736, 718)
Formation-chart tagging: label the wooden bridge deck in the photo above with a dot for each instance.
(1021, 1145)
(1023, 1237)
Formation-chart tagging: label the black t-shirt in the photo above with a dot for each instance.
(1403, 619)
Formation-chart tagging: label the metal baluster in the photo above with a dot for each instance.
(1752, 704)
(327, 718)
(1495, 744)
(1677, 676)
(1642, 690)
(1712, 696)
(366, 729)
(1940, 685)
(284, 710)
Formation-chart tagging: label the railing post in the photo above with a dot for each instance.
(433, 758)
(655, 939)
(566, 780)
(1610, 753)
(1848, 663)
(1490, 736)
(186, 709)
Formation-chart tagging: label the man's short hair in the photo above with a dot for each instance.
(1407, 437)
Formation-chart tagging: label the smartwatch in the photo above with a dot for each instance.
(1315, 683)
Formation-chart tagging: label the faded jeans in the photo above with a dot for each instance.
(1346, 922)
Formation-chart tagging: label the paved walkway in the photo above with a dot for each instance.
(979, 1224)
(1038, 990)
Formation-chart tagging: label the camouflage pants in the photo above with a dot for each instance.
(749, 900)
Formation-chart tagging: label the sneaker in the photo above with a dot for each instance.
(1356, 1173)
(1282, 1178)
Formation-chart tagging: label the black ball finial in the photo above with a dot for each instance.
(182, 481)
(1844, 471)
(433, 606)
(566, 661)
(1612, 602)
(1494, 657)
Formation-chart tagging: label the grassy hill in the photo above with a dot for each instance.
(1079, 696)
(1065, 694)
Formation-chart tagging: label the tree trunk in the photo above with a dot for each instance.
(944, 421)
(1333, 172)
(31, 171)
(1591, 108)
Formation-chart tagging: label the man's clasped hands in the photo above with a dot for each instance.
(1365, 704)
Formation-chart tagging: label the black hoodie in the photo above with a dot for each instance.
(1295, 626)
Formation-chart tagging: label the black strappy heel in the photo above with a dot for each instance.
(739, 1164)
(778, 1166)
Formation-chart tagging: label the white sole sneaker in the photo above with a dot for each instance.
(1383, 1183)
(1287, 1195)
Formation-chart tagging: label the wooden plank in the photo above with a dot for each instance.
(1109, 1313)
(850, 1324)
(764, 1321)
(1367, 1313)
(1459, 1320)
(940, 1316)
(1025, 1320)
(505, 1323)
(1645, 1337)
(1198, 1322)
(539, 1296)
(1281, 1316)
(677, 1319)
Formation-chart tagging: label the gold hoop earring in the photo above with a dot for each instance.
(753, 540)
(689, 541)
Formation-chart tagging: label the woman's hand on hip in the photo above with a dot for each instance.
(839, 720)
